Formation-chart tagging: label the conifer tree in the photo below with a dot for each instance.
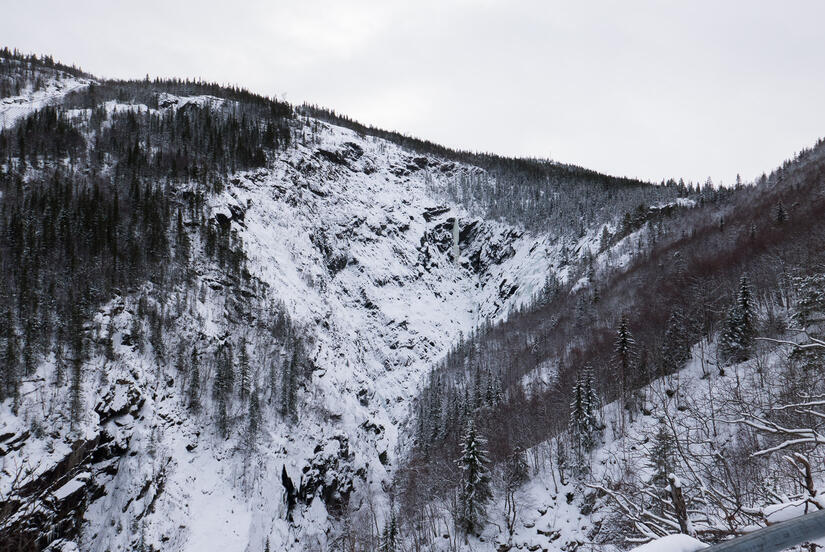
(109, 344)
(76, 391)
(624, 352)
(76, 341)
(780, 214)
(289, 383)
(59, 363)
(550, 289)
(676, 344)
(389, 537)
(243, 367)
(30, 346)
(475, 481)
(739, 332)
(194, 393)
(156, 335)
(137, 332)
(592, 397)
(273, 381)
(182, 360)
(604, 241)
(577, 412)
(498, 391)
(434, 422)
(222, 415)
(581, 314)
(224, 383)
(253, 421)
(10, 362)
(809, 314)
(583, 419)
(489, 389)
(478, 389)
(810, 304)
(181, 240)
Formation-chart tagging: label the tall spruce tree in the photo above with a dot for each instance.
(253, 422)
(224, 383)
(584, 425)
(739, 331)
(624, 352)
(245, 377)
(389, 537)
(475, 481)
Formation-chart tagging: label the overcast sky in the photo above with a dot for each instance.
(647, 89)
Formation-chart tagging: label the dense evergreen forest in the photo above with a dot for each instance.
(97, 201)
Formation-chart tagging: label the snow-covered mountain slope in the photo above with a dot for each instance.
(53, 89)
(342, 232)
(224, 318)
(693, 420)
(364, 255)
(330, 281)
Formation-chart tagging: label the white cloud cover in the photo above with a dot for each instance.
(651, 89)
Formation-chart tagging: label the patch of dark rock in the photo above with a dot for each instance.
(506, 291)
(432, 212)
(223, 220)
(238, 213)
(363, 396)
(353, 151)
(52, 510)
(15, 444)
(369, 425)
(329, 476)
(332, 156)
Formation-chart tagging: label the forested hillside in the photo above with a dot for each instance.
(227, 322)
(703, 288)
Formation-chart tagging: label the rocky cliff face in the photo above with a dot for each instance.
(346, 236)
